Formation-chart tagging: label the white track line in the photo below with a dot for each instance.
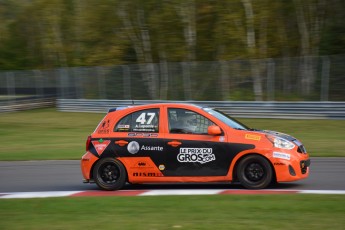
(165, 192)
(182, 192)
(38, 194)
(329, 192)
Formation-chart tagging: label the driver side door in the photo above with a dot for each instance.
(190, 150)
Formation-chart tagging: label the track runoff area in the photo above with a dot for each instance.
(164, 192)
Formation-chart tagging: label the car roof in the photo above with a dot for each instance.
(154, 105)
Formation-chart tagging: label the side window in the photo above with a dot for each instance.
(186, 121)
(141, 121)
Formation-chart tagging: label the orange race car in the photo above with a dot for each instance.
(161, 143)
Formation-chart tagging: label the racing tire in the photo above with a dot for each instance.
(109, 174)
(254, 172)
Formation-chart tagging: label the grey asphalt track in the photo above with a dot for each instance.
(34, 176)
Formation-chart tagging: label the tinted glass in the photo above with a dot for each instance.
(141, 121)
(186, 121)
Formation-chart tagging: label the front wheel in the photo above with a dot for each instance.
(109, 174)
(254, 172)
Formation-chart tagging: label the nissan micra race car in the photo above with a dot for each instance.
(162, 143)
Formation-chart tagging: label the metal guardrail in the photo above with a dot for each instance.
(26, 103)
(241, 109)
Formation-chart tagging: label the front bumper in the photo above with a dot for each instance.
(296, 168)
(304, 164)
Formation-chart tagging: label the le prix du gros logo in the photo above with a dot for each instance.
(200, 155)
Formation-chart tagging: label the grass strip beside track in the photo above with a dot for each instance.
(176, 212)
(45, 134)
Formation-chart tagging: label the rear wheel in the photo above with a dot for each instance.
(109, 174)
(254, 172)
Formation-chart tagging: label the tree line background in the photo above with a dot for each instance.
(47, 34)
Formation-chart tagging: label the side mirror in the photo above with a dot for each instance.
(214, 130)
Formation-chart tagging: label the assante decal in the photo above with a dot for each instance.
(134, 147)
(151, 148)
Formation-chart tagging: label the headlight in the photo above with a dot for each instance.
(279, 142)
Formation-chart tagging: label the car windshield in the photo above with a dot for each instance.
(233, 123)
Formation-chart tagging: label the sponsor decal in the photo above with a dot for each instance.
(221, 139)
(152, 148)
(141, 129)
(147, 174)
(100, 145)
(141, 164)
(279, 163)
(200, 155)
(133, 147)
(142, 134)
(284, 156)
(123, 128)
(252, 137)
(161, 167)
(104, 129)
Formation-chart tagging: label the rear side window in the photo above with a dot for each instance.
(141, 121)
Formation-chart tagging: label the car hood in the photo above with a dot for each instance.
(277, 134)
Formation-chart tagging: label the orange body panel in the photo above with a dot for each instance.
(87, 161)
(164, 146)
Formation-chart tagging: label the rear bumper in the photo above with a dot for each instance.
(86, 164)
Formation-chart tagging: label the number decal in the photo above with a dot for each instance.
(151, 115)
(142, 118)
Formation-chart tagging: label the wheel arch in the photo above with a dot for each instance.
(238, 160)
(116, 158)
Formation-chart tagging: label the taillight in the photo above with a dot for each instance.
(88, 142)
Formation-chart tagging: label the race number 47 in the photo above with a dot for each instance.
(142, 118)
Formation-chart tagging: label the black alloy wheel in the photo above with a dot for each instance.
(109, 174)
(254, 172)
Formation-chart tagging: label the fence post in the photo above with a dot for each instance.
(186, 69)
(11, 84)
(224, 80)
(11, 87)
(101, 85)
(62, 82)
(39, 83)
(126, 74)
(270, 79)
(325, 78)
(77, 76)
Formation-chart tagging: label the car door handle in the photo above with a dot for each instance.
(121, 142)
(174, 143)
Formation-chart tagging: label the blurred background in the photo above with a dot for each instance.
(238, 50)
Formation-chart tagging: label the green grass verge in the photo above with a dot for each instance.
(176, 212)
(45, 134)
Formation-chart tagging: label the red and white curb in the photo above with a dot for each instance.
(169, 192)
